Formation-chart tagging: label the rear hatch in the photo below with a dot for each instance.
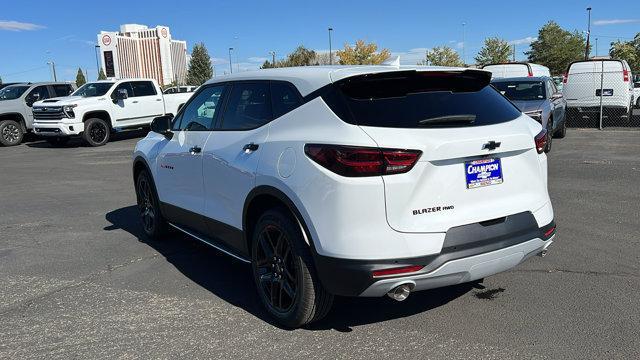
(478, 162)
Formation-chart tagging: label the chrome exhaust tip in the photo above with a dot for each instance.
(400, 292)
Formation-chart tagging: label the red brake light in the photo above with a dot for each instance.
(397, 271)
(530, 73)
(549, 232)
(565, 77)
(354, 161)
(625, 75)
(541, 141)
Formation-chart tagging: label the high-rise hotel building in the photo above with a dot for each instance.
(138, 51)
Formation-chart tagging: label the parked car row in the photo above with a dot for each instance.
(56, 112)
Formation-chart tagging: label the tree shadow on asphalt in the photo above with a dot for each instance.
(40, 142)
(231, 281)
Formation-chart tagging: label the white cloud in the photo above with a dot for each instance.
(218, 61)
(11, 25)
(527, 40)
(460, 45)
(615, 21)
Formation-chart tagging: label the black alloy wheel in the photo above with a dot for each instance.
(275, 268)
(98, 132)
(153, 223)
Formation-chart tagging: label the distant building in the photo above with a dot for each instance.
(138, 51)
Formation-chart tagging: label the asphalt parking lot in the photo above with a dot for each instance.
(78, 280)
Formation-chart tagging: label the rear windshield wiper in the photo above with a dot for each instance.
(449, 119)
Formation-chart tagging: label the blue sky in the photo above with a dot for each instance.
(34, 31)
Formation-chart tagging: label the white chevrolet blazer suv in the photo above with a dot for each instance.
(350, 181)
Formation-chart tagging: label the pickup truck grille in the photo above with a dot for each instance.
(48, 113)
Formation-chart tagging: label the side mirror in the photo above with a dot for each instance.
(121, 94)
(162, 125)
(32, 98)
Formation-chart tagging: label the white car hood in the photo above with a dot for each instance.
(66, 100)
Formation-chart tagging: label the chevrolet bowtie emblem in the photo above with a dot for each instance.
(491, 145)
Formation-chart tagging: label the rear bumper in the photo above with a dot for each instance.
(470, 252)
(58, 129)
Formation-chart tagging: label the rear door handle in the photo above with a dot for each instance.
(134, 102)
(195, 150)
(250, 147)
(158, 99)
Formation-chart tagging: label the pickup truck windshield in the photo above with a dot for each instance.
(521, 90)
(12, 92)
(93, 89)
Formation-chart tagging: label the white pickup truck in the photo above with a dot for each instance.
(98, 108)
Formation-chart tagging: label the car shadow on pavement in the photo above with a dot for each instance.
(231, 281)
(40, 142)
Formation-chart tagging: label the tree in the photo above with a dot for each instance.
(555, 48)
(200, 69)
(301, 56)
(80, 79)
(101, 75)
(362, 54)
(442, 56)
(495, 50)
(627, 50)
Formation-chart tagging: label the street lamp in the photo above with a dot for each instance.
(273, 58)
(464, 60)
(230, 65)
(53, 67)
(330, 55)
(586, 50)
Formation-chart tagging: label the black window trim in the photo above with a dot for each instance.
(216, 115)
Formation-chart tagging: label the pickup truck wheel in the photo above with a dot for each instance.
(11, 133)
(153, 224)
(58, 141)
(96, 132)
(284, 272)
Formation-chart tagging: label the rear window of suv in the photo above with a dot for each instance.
(413, 99)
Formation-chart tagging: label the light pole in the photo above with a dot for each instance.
(596, 47)
(53, 67)
(586, 49)
(273, 58)
(95, 51)
(230, 65)
(330, 54)
(464, 60)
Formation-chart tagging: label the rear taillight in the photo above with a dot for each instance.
(397, 271)
(530, 73)
(355, 161)
(625, 75)
(541, 141)
(565, 77)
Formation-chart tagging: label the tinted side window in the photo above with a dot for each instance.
(249, 106)
(62, 90)
(143, 88)
(284, 98)
(200, 111)
(170, 91)
(126, 86)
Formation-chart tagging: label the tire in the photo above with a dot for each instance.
(562, 131)
(281, 260)
(11, 133)
(96, 132)
(57, 141)
(549, 135)
(153, 223)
